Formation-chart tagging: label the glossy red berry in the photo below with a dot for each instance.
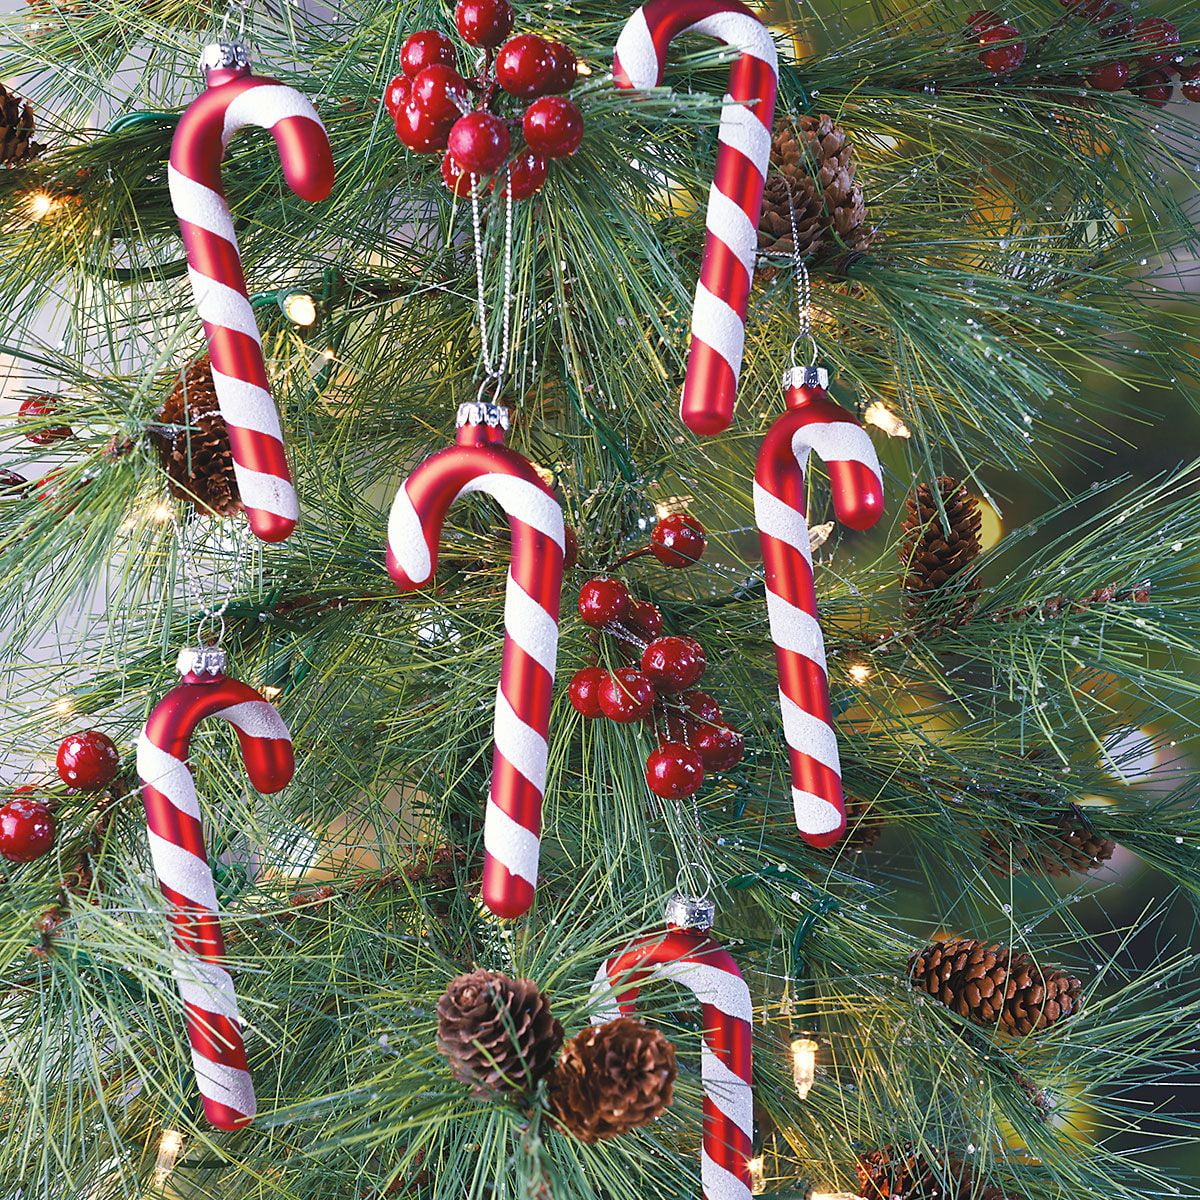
(396, 94)
(1190, 78)
(88, 760)
(1111, 77)
(553, 126)
(42, 408)
(678, 540)
(526, 66)
(1153, 86)
(26, 829)
(671, 663)
(1000, 59)
(441, 93)
(702, 706)
(646, 618)
(1157, 38)
(483, 22)
(419, 131)
(983, 18)
(479, 142)
(603, 600)
(454, 177)
(719, 746)
(584, 691)
(525, 175)
(566, 67)
(626, 695)
(674, 771)
(425, 48)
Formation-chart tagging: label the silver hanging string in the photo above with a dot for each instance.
(493, 369)
(693, 878)
(803, 283)
(211, 602)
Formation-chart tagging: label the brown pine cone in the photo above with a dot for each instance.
(994, 986)
(498, 1033)
(812, 173)
(16, 129)
(899, 1173)
(196, 455)
(612, 1078)
(932, 556)
(1062, 845)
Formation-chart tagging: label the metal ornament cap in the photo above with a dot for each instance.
(806, 377)
(690, 912)
(479, 412)
(223, 56)
(201, 660)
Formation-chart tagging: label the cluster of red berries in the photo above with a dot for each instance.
(438, 109)
(661, 688)
(41, 409)
(86, 761)
(999, 50)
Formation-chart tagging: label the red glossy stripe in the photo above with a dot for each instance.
(216, 1037)
(708, 390)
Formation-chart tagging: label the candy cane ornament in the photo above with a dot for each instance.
(813, 422)
(181, 862)
(735, 198)
(233, 99)
(480, 462)
(686, 953)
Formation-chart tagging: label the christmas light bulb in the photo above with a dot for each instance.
(756, 1168)
(170, 1144)
(818, 535)
(804, 1064)
(882, 417)
(859, 672)
(40, 205)
(300, 308)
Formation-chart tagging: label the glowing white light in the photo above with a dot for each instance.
(882, 417)
(170, 1144)
(804, 1064)
(300, 308)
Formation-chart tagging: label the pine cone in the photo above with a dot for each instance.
(862, 830)
(932, 557)
(497, 1032)
(611, 1079)
(16, 129)
(1062, 845)
(197, 456)
(899, 1173)
(993, 986)
(812, 173)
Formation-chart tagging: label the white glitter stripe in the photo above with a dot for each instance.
(406, 539)
(748, 35)
(510, 843)
(266, 493)
(744, 132)
(716, 324)
(809, 735)
(814, 814)
(718, 1183)
(724, 990)
(257, 719)
(529, 625)
(200, 206)
(838, 441)
(183, 872)
(225, 1085)
(729, 1092)
(636, 54)
(265, 106)
(219, 304)
(729, 221)
(520, 743)
(795, 630)
(246, 405)
(167, 775)
(523, 500)
(206, 985)
(781, 522)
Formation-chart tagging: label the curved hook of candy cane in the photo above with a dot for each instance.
(700, 963)
(234, 99)
(512, 826)
(735, 198)
(813, 423)
(185, 878)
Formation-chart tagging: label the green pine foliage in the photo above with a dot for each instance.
(1017, 308)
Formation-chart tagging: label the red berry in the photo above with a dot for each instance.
(646, 618)
(1190, 77)
(1111, 77)
(566, 67)
(483, 22)
(454, 177)
(678, 540)
(479, 142)
(1000, 59)
(626, 695)
(584, 691)
(26, 830)
(526, 66)
(719, 746)
(419, 131)
(39, 408)
(983, 18)
(702, 706)
(88, 761)
(12, 484)
(1153, 86)
(671, 663)
(674, 771)
(1157, 36)
(553, 126)
(603, 600)
(425, 48)
(524, 176)
(441, 93)
(396, 94)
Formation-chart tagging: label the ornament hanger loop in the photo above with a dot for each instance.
(217, 621)
(689, 874)
(236, 6)
(812, 347)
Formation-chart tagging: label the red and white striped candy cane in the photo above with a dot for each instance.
(812, 422)
(480, 462)
(735, 198)
(696, 960)
(232, 100)
(181, 862)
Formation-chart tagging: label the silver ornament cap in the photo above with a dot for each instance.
(690, 912)
(224, 55)
(201, 660)
(479, 412)
(806, 377)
